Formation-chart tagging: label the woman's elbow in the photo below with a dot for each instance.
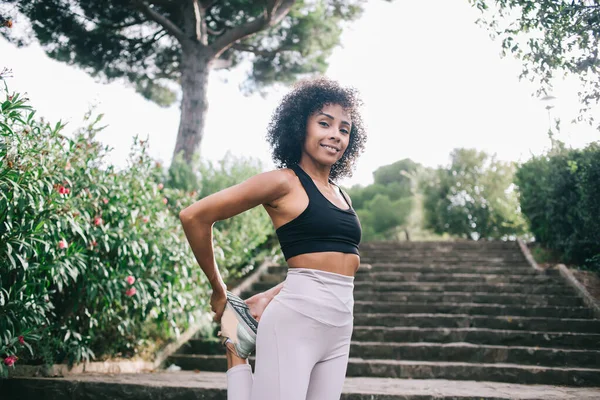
(194, 215)
(186, 215)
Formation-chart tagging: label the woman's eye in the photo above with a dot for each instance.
(323, 123)
(344, 131)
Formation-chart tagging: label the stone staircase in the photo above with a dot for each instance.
(436, 320)
(464, 311)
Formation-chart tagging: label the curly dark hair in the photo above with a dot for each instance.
(287, 129)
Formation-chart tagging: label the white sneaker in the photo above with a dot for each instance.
(238, 327)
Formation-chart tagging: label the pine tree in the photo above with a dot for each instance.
(162, 47)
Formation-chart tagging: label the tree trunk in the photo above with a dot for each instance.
(195, 68)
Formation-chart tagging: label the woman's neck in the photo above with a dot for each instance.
(318, 172)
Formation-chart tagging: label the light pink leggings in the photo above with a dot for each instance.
(303, 341)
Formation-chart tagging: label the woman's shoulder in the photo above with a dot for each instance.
(278, 183)
(280, 176)
(281, 179)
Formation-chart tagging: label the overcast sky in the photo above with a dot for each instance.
(431, 80)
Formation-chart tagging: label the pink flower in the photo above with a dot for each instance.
(98, 221)
(105, 200)
(63, 244)
(145, 219)
(130, 292)
(63, 190)
(165, 200)
(21, 340)
(10, 360)
(130, 279)
(68, 165)
(160, 186)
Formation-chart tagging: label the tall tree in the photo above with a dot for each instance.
(552, 37)
(156, 45)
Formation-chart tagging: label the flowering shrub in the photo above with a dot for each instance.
(93, 260)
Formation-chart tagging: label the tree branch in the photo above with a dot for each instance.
(160, 19)
(161, 33)
(200, 22)
(163, 2)
(278, 10)
(224, 41)
(214, 32)
(258, 52)
(121, 26)
(272, 15)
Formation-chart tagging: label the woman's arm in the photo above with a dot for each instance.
(199, 218)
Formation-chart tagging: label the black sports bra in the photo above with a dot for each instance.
(322, 226)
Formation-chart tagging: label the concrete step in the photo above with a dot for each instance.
(484, 256)
(461, 352)
(441, 248)
(437, 277)
(432, 269)
(479, 321)
(447, 251)
(458, 255)
(477, 297)
(513, 373)
(442, 245)
(462, 297)
(498, 372)
(476, 353)
(552, 289)
(486, 336)
(433, 255)
(449, 269)
(431, 287)
(204, 385)
(472, 308)
(437, 262)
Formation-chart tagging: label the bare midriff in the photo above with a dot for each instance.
(338, 263)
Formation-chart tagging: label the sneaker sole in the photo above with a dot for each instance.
(243, 313)
(244, 341)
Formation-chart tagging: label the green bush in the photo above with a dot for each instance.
(391, 180)
(236, 237)
(93, 260)
(559, 194)
(473, 198)
(384, 206)
(381, 216)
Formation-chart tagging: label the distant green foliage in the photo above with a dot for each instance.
(396, 173)
(93, 260)
(380, 215)
(560, 196)
(473, 198)
(383, 207)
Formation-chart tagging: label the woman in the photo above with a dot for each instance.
(303, 338)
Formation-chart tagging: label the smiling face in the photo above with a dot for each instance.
(327, 134)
